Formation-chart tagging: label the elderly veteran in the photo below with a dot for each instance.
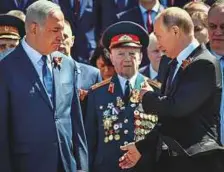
(114, 113)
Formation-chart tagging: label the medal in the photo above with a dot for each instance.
(138, 122)
(107, 123)
(106, 139)
(111, 137)
(135, 96)
(117, 137)
(125, 131)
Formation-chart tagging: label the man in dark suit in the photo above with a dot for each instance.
(188, 107)
(176, 3)
(106, 11)
(41, 127)
(144, 14)
(7, 5)
(114, 113)
(80, 15)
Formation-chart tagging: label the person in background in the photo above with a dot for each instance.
(154, 55)
(101, 60)
(87, 75)
(200, 26)
(12, 29)
(197, 6)
(18, 13)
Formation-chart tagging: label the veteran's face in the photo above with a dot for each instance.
(167, 39)
(216, 29)
(49, 36)
(8, 44)
(126, 60)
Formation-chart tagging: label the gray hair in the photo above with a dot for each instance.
(39, 11)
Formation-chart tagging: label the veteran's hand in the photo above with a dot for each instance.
(131, 157)
(145, 88)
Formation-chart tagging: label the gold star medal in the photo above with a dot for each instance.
(135, 96)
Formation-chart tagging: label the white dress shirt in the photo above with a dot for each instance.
(123, 82)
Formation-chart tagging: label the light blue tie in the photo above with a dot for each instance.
(47, 78)
(222, 104)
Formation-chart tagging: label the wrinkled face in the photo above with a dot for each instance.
(106, 71)
(200, 31)
(7, 44)
(126, 60)
(167, 39)
(216, 29)
(49, 36)
(154, 54)
(67, 42)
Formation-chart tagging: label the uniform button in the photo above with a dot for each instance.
(125, 131)
(126, 121)
(125, 143)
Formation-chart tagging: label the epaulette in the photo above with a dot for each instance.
(100, 84)
(154, 83)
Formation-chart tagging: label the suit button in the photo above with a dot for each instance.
(125, 131)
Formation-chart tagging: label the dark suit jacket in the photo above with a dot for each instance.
(177, 3)
(82, 27)
(35, 131)
(105, 13)
(189, 114)
(7, 5)
(104, 155)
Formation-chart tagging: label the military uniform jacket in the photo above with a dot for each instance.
(110, 123)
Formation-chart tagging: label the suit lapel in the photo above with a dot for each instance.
(58, 98)
(29, 71)
(180, 71)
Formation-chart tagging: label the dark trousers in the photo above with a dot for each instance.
(212, 162)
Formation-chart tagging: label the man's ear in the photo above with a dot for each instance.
(175, 30)
(33, 28)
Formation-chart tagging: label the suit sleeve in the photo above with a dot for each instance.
(5, 164)
(198, 86)
(80, 145)
(91, 129)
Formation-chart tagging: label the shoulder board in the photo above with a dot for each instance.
(100, 84)
(154, 83)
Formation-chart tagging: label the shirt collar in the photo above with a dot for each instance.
(123, 80)
(36, 56)
(218, 57)
(187, 51)
(155, 8)
(153, 73)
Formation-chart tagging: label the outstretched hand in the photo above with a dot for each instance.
(131, 157)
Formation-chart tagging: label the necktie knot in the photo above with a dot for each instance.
(44, 59)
